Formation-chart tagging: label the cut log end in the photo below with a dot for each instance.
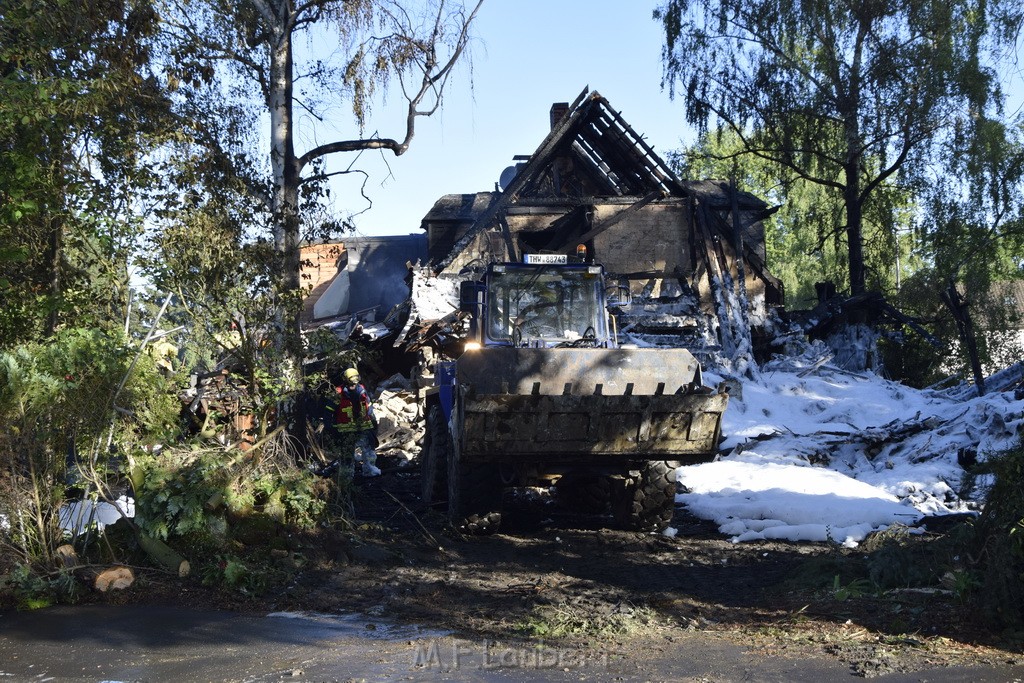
(114, 578)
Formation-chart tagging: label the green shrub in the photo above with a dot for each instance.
(205, 495)
(250, 576)
(33, 591)
(70, 404)
(999, 543)
(909, 358)
(899, 559)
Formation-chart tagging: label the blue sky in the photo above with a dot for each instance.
(527, 55)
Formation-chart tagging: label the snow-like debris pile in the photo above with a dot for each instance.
(790, 502)
(434, 297)
(821, 454)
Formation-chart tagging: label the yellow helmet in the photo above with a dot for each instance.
(352, 375)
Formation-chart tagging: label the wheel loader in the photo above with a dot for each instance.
(543, 396)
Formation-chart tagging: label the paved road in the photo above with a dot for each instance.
(133, 643)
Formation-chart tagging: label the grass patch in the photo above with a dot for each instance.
(580, 618)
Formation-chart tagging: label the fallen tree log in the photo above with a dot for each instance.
(164, 555)
(873, 440)
(1004, 380)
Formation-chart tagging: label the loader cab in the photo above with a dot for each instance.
(542, 303)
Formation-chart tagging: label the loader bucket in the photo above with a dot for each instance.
(523, 404)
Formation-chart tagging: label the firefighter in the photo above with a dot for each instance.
(356, 423)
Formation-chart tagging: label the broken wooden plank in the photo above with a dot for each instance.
(912, 324)
(715, 282)
(506, 235)
(815, 365)
(945, 380)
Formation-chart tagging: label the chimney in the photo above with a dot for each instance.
(558, 112)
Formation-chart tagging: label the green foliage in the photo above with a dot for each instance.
(61, 404)
(856, 588)
(900, 559)
(67, 388)
(80, 110)
(995, 309)
(207, 495)
(32, 591)
(573, 619)
(907, 356)
(232, 572)
(998, 544)
(974, 227)
(805, 240)
(850, 98)
(253, 574)
(228, 298)
(894, 558)
(963, 582)
(232, 64)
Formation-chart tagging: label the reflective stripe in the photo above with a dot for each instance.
(344, 416)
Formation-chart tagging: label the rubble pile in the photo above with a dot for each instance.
(400, 429)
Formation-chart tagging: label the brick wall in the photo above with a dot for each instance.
(320, 263)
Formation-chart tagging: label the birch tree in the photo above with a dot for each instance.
(255, 62)
(848, 95)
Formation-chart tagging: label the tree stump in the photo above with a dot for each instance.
(66, 556)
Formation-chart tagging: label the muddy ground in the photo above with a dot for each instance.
(573, 580)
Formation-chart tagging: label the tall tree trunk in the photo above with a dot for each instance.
(286, 191)
(851, 165)
(54, 254)
(287, 226)
(58, 150)
(854, 232)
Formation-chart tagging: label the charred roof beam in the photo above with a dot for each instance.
(661, 172)
(617, 151)
(592, 165)
(544, 154)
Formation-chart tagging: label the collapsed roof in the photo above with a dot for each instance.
(590, 155)
(691, 254)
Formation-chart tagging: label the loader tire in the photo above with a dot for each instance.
(474, 496)
(583, 494)
(434, 459)
(647, 502)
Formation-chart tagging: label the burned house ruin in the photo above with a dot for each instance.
(593, 181)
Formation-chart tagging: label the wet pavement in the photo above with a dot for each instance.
(141, 643)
